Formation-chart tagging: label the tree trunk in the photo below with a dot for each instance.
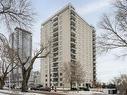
(2, 83)
(24, 87)
(26, 75)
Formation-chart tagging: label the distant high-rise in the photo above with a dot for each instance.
(21, 41)
(72, 40)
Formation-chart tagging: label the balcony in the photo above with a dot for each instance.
(73, 28)
(94, 49)
(55, 74)
(94, 38)
(73, 34)
(55, 34)
(94, 35)
(73, 46)
(55, 54)
(94, 76)
(55, 39)
(73, 61)
(73, 23)
(73, 56)
(55, 64)
(55, 29)
(55, 79)
(73, 40)
(72, 18)
(55, 24)
(55, 19)
(94, 54)
(73, 51)
(55, 44)
(55, 59)
(55, 70)
(72, 12)
(55, 49)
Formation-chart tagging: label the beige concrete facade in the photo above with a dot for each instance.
(72, 40)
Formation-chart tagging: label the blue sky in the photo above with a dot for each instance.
(108, 65)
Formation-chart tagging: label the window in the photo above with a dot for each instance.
(61, 79)
(56, 84)
(55, 74)
(55, 79)
(60, 74)
(61, 84)
(60, 27)
(74, 84)
(45, 75)
(55, 69)
(45, 79)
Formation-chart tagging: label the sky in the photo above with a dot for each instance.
(108, 64)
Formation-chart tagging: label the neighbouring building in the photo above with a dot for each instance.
(34, 78)
(72, 40)
(21, 41)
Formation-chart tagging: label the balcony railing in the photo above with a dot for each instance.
(55, 29)
(73, 34)
(55, 65)
(55, 44)
(55, 59)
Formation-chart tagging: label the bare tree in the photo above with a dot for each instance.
(121, 84)
(7, 58)
(73, 73)
(115, 28)
(16, 13)
(26, 70)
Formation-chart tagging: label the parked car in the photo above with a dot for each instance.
(45, 89)
(36, 87)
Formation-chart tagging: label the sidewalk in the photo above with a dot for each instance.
(7, 92)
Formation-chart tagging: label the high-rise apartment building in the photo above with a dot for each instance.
(21, 41)
(72, 40)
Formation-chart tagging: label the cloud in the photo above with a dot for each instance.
(93, 7)
(110, 66)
